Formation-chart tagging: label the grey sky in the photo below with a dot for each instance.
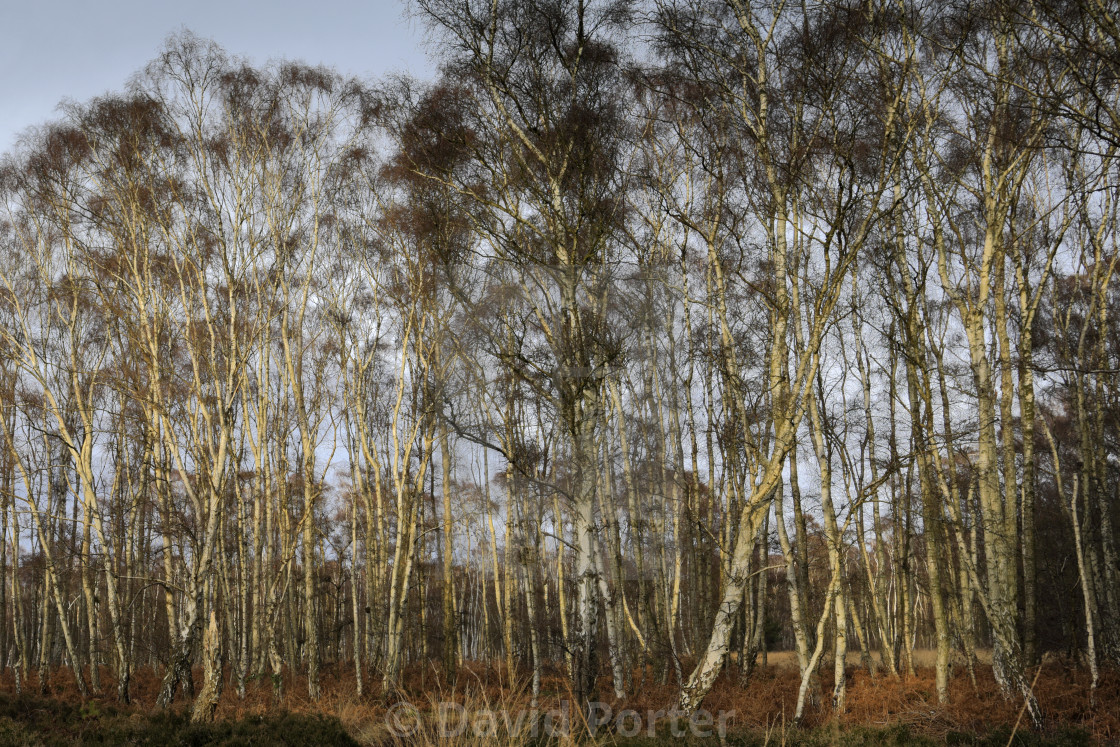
(52, 50)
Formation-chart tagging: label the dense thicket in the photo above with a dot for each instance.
(647, 338)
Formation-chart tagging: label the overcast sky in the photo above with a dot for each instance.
(52, 50)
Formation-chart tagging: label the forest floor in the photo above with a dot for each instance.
(482, 709)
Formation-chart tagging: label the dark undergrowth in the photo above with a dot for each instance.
(853, 736)
(33, 721)
(880, 711)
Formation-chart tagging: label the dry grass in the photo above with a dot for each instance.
(768, 700)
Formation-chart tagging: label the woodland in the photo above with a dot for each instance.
(666, 351)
